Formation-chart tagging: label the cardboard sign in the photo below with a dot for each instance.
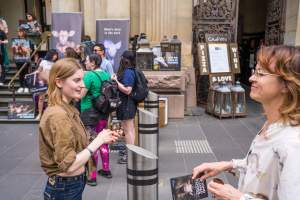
(184, 187)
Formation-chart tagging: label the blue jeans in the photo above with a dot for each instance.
(65, 188)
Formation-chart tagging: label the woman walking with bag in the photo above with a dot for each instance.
(63, 139)
(126, 111)
(93, 79)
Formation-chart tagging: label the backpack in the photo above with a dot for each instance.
(140, 90)
(108, 100)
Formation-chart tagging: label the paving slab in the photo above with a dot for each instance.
(21, 177)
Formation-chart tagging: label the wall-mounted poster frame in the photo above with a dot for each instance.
(218, 56)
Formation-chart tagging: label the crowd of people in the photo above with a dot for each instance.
(21, 47)
(69, 142)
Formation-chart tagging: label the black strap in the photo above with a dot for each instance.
(100, 81)
(148, 125)
(142, 172)
(142, 182)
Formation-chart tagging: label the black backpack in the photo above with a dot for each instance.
(140, 90)
(108, 100)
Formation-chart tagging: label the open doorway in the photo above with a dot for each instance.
(260, 22)
(250, 34)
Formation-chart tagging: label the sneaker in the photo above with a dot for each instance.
(26, 90)
(123, 159)
(20, 90)
(91, 182)
(106, 174)
(1, 84)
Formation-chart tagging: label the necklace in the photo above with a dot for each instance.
(265, 127)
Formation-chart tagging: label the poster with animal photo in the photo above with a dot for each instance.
(21, 110)
(185, 188)
(21, 49)
(114, 34)
(66, 31)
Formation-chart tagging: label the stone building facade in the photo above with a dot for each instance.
(188, 19)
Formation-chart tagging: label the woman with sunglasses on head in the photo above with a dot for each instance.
(270, 169)
(63, 139)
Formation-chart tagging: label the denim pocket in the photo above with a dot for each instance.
(54, 192)
(74, 190)
(49, 196)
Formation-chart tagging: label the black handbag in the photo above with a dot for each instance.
(90, 117)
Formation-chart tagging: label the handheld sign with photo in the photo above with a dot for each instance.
(184, 187)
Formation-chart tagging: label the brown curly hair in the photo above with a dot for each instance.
(285, 61)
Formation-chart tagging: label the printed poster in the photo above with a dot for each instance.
(114, 34)
(21, 110)
(66, 31)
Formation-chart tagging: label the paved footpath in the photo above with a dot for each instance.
(183, 144)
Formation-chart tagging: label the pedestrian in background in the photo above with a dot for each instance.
(3, 42)
(63, 139)
(270, 169)
(43, 75)
(125, 79)
(21, 55)
(5, 58)
(93, 79)
(105, 64)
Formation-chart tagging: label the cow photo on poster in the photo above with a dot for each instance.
(114, 34)
(66, 31)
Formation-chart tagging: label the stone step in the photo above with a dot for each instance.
(7, 93)
(5, 100)
(5, 120)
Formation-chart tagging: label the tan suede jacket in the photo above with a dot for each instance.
(61, 136)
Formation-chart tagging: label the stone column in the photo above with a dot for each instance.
(157, 18)
(297, 43)
(89, 19)
(292, 22)
(65, 5)
(102, 9)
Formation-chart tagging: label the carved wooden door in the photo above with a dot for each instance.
(275, 22)
(216, 17)
(213, 17)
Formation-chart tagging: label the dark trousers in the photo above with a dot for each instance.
(2, 75)
(65, 188)
(23, 73)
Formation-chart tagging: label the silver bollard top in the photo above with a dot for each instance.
(152, 95)
(147, 113)
(141, 151)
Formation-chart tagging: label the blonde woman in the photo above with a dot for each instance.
(63, 140)
(270, 170)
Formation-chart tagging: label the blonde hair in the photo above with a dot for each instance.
(285, 61)
(62, 69)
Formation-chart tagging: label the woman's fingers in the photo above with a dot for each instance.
(198, 170)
